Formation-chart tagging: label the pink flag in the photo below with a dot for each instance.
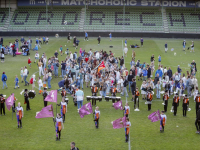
(118, 105)
(52, 97)
(85, 110)
(119, 123)
(10, 101)
(45, 112)
(155, 116)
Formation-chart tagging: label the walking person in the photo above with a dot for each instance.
(99, 40)
(86, 36)
(4, 79)
(19, 114)
(25, 74)
(141, 41)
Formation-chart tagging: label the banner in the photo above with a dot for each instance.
(52, 97)
(85, 110)
(155, 116)
(118, 105)
(148, 3)
(45, 112)
(119, 123)
(9, 101)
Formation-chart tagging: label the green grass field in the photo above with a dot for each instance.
(40, 133)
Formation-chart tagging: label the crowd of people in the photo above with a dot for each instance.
(79, 70)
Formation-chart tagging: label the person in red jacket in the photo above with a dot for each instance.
(29, 62)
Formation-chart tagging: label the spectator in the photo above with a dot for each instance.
(159, 71)
(4, 79)
(73, 146)
(169, 73)
(25, 74)
(79, 97)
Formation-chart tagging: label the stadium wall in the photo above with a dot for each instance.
(105, 34)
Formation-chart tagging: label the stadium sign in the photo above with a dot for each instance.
(149, 3)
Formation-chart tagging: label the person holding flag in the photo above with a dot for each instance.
(127, 129)
(63, 109)
(162, 121)
(97, 116)
(19, 114)
(2, 100)
(126, 110)
(59, 126)
(44, 96)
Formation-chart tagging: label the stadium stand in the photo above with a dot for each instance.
(4, 13)
(183, 20)
(35, 19)
(135, 19)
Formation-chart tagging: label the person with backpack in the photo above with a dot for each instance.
(4, 79)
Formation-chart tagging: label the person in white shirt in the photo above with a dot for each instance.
(21, 74)
(117, 75)
(37, 55)
(33, 84)
(59, 126)
(126, 110)
(97, 55)
(25, 74)
(125, 50)
(63, 109)
(71, 56)
(97, 116)
(40, 84)
(19, 114)
(127, 129)
(162, 121)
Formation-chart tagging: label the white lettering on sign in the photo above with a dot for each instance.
(133, 2)
(108, 2)
(93, 2)
(65, 2)
(101, 2)
(73, 2)
(116, 2)
(32, 2)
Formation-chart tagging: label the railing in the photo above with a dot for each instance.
(44, 28)
(184, 30)
(125, 29)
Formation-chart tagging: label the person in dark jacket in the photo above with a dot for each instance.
(1, 41)
(130, 78)
(133, 88)
(156, 79)
(148, 71)
(99, 40)
(121, 62)
(125, 83)
(67, 83)
(197, 122)
(73, 146)
(169, 73)
(4, 79)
